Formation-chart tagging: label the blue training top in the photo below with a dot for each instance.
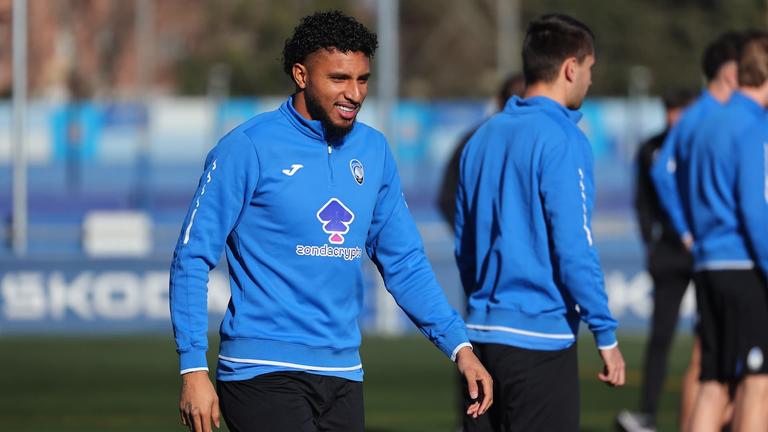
(673, 159)
(708, 179)
(752, 189)
(523, 233)
(294, 215)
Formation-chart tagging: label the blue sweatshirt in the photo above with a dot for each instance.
(294, 215)
(524, 243)
(752, 190)
(707, 178)
(673, 159)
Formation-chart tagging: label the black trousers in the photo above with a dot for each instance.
(532, 390)
(671, 270)
(292, 401)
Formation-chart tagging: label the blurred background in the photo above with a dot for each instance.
(108, 108)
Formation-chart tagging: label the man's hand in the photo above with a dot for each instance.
(687, 240)
(198, 403)
(613, 372)
(474, 373)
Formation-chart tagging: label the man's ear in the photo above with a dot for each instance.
(300, 75)
(569, 69)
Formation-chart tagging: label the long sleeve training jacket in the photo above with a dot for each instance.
(524, 244)
(752, 190)
(294, 214)
(709, 185)
(671, 165)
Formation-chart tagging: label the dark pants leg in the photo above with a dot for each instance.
(292, 401)
(533, 390)
(735, 335)
(669, 286)
(346, 413)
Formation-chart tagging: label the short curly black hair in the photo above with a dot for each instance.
(328, 29)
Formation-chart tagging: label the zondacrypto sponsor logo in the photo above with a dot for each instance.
(326, 250)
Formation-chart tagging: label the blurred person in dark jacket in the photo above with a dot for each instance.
(513, 85)
(720, 70)
(668, 261)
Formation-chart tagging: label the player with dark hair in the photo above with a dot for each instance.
(722, 184)
(752, 209)
(669, 264)
(720, 69)
(294, 197)
(524, 239)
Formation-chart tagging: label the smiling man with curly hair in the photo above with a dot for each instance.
(294, 197)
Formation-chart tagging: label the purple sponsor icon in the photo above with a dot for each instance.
(336, 218)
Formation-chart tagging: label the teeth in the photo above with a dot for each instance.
(345, 109)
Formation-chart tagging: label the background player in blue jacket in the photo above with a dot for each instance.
(724, 207)
(295, 197)
(669, 260)
(720, 67)
(752, 203)
(524, 242)
(669, 264)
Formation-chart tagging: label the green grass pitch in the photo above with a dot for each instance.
(130, 383)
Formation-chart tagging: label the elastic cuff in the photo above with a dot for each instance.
(192, 360)
(611, 346)
(459, 347)
(606, 339)
(193, 370)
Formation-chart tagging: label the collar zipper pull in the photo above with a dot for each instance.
(329, 149)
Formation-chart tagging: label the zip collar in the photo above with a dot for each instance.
(517, 103)
(311, 128)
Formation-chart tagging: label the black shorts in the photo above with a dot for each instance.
(532, 390)
(733, 310)
(292, 401)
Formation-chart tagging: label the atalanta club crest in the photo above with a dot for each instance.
(357, 171)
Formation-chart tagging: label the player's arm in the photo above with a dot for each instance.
(395, 246)
(663, 175)
(464, 235)
(567, 193)
(752, 191)
(228, 181)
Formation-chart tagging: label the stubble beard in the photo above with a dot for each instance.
(333, 133)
